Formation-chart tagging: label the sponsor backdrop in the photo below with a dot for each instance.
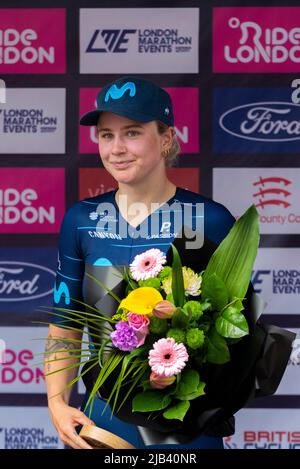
(234, 75)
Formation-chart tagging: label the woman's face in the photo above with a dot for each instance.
(131, 151)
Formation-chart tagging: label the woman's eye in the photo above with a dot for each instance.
(105, 136)
(132, 133)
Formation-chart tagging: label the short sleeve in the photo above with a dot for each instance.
(217, 221)
(70, 272)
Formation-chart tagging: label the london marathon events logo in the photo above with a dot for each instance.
(32, 40)
(148, 40)
(33, 121)
(256, 39)
(33, 431)
(18, 437)
(256, 120)
(276, 276)
(139, 40)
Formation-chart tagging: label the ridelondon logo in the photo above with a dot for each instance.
(260, 44)
(256, 39)
(31, 200)
(28, 44)
(271, 191)
(16, 206)
(17, 369)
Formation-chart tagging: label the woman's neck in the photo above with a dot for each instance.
(156, 193)
(149, 201)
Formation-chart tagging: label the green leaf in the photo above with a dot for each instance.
(180, 318)
(233, 260)
(150, 401)
(177, 279)
(193, 395)
(217, 350)
(178, 411)
(232, 324)
(188, 384)
(215, 290)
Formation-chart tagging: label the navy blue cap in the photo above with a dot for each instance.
(138, 99)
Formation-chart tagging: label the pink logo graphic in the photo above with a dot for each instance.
(185, 101)
(271, 192)
(256, 39)
(32, 200)
(18, 367)
(32, 40)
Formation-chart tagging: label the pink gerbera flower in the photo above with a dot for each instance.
(148, 264)
(167, 358)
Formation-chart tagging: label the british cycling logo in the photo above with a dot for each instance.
(271, 191)
(20, 281)
(150, 40)
(263, 121)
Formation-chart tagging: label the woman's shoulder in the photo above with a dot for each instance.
(88, 205)
(187, 196)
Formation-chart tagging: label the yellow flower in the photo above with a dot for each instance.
(141, 300)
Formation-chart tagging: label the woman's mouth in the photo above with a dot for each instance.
(122, 164)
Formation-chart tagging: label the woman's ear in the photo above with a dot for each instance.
(167, 138)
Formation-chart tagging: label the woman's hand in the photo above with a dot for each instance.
(65, 419)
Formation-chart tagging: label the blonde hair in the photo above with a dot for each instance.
(172, 157)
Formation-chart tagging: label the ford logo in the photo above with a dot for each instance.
(263, 121)
(21, 281)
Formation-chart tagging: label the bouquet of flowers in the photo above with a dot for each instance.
(162, 338)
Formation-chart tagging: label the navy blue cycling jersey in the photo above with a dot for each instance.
(94, 233)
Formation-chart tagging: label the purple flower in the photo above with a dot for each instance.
(124, 337)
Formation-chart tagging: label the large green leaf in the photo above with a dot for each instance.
(232, 323)
(217, 350)
(215, 289)
(177, 279)
(233, 260)
(150, 401)
(177, 411)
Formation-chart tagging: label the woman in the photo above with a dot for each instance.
(135, 124)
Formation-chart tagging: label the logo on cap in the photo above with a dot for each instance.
(117, 93)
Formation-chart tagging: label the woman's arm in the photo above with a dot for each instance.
(64, 417)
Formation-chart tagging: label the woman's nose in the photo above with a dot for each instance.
(118, 145)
